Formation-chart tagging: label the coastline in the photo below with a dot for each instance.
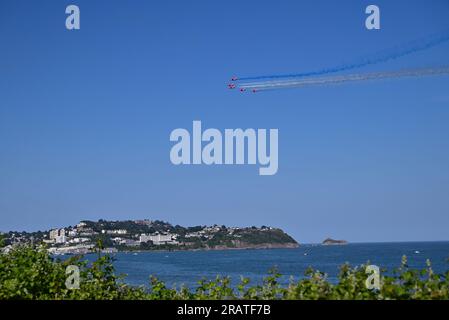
(217, 248)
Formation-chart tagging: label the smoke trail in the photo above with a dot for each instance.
(380, 57)
(281, 84)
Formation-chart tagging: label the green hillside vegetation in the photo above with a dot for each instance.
(255, 236)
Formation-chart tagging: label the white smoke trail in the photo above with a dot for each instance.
(281, 84)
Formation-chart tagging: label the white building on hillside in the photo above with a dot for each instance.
(58, 235)
(158, 239)
(117, 231)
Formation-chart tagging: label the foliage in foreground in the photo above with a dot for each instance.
(31, 273)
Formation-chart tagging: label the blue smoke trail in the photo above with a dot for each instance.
(405, 50)
(329, 80)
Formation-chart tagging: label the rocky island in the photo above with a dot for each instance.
(330, 242)
(140, 235)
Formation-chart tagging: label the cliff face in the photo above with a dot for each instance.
(236, 245)
(330, 241)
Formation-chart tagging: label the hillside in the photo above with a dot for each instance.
(134, 235)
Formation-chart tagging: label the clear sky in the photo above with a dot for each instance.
(85, 117)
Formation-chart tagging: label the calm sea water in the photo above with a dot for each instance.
(187, 267)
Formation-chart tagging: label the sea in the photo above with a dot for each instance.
(186, 268)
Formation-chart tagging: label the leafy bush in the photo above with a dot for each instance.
(31, 273)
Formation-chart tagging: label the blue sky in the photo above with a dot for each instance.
(85, 117)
